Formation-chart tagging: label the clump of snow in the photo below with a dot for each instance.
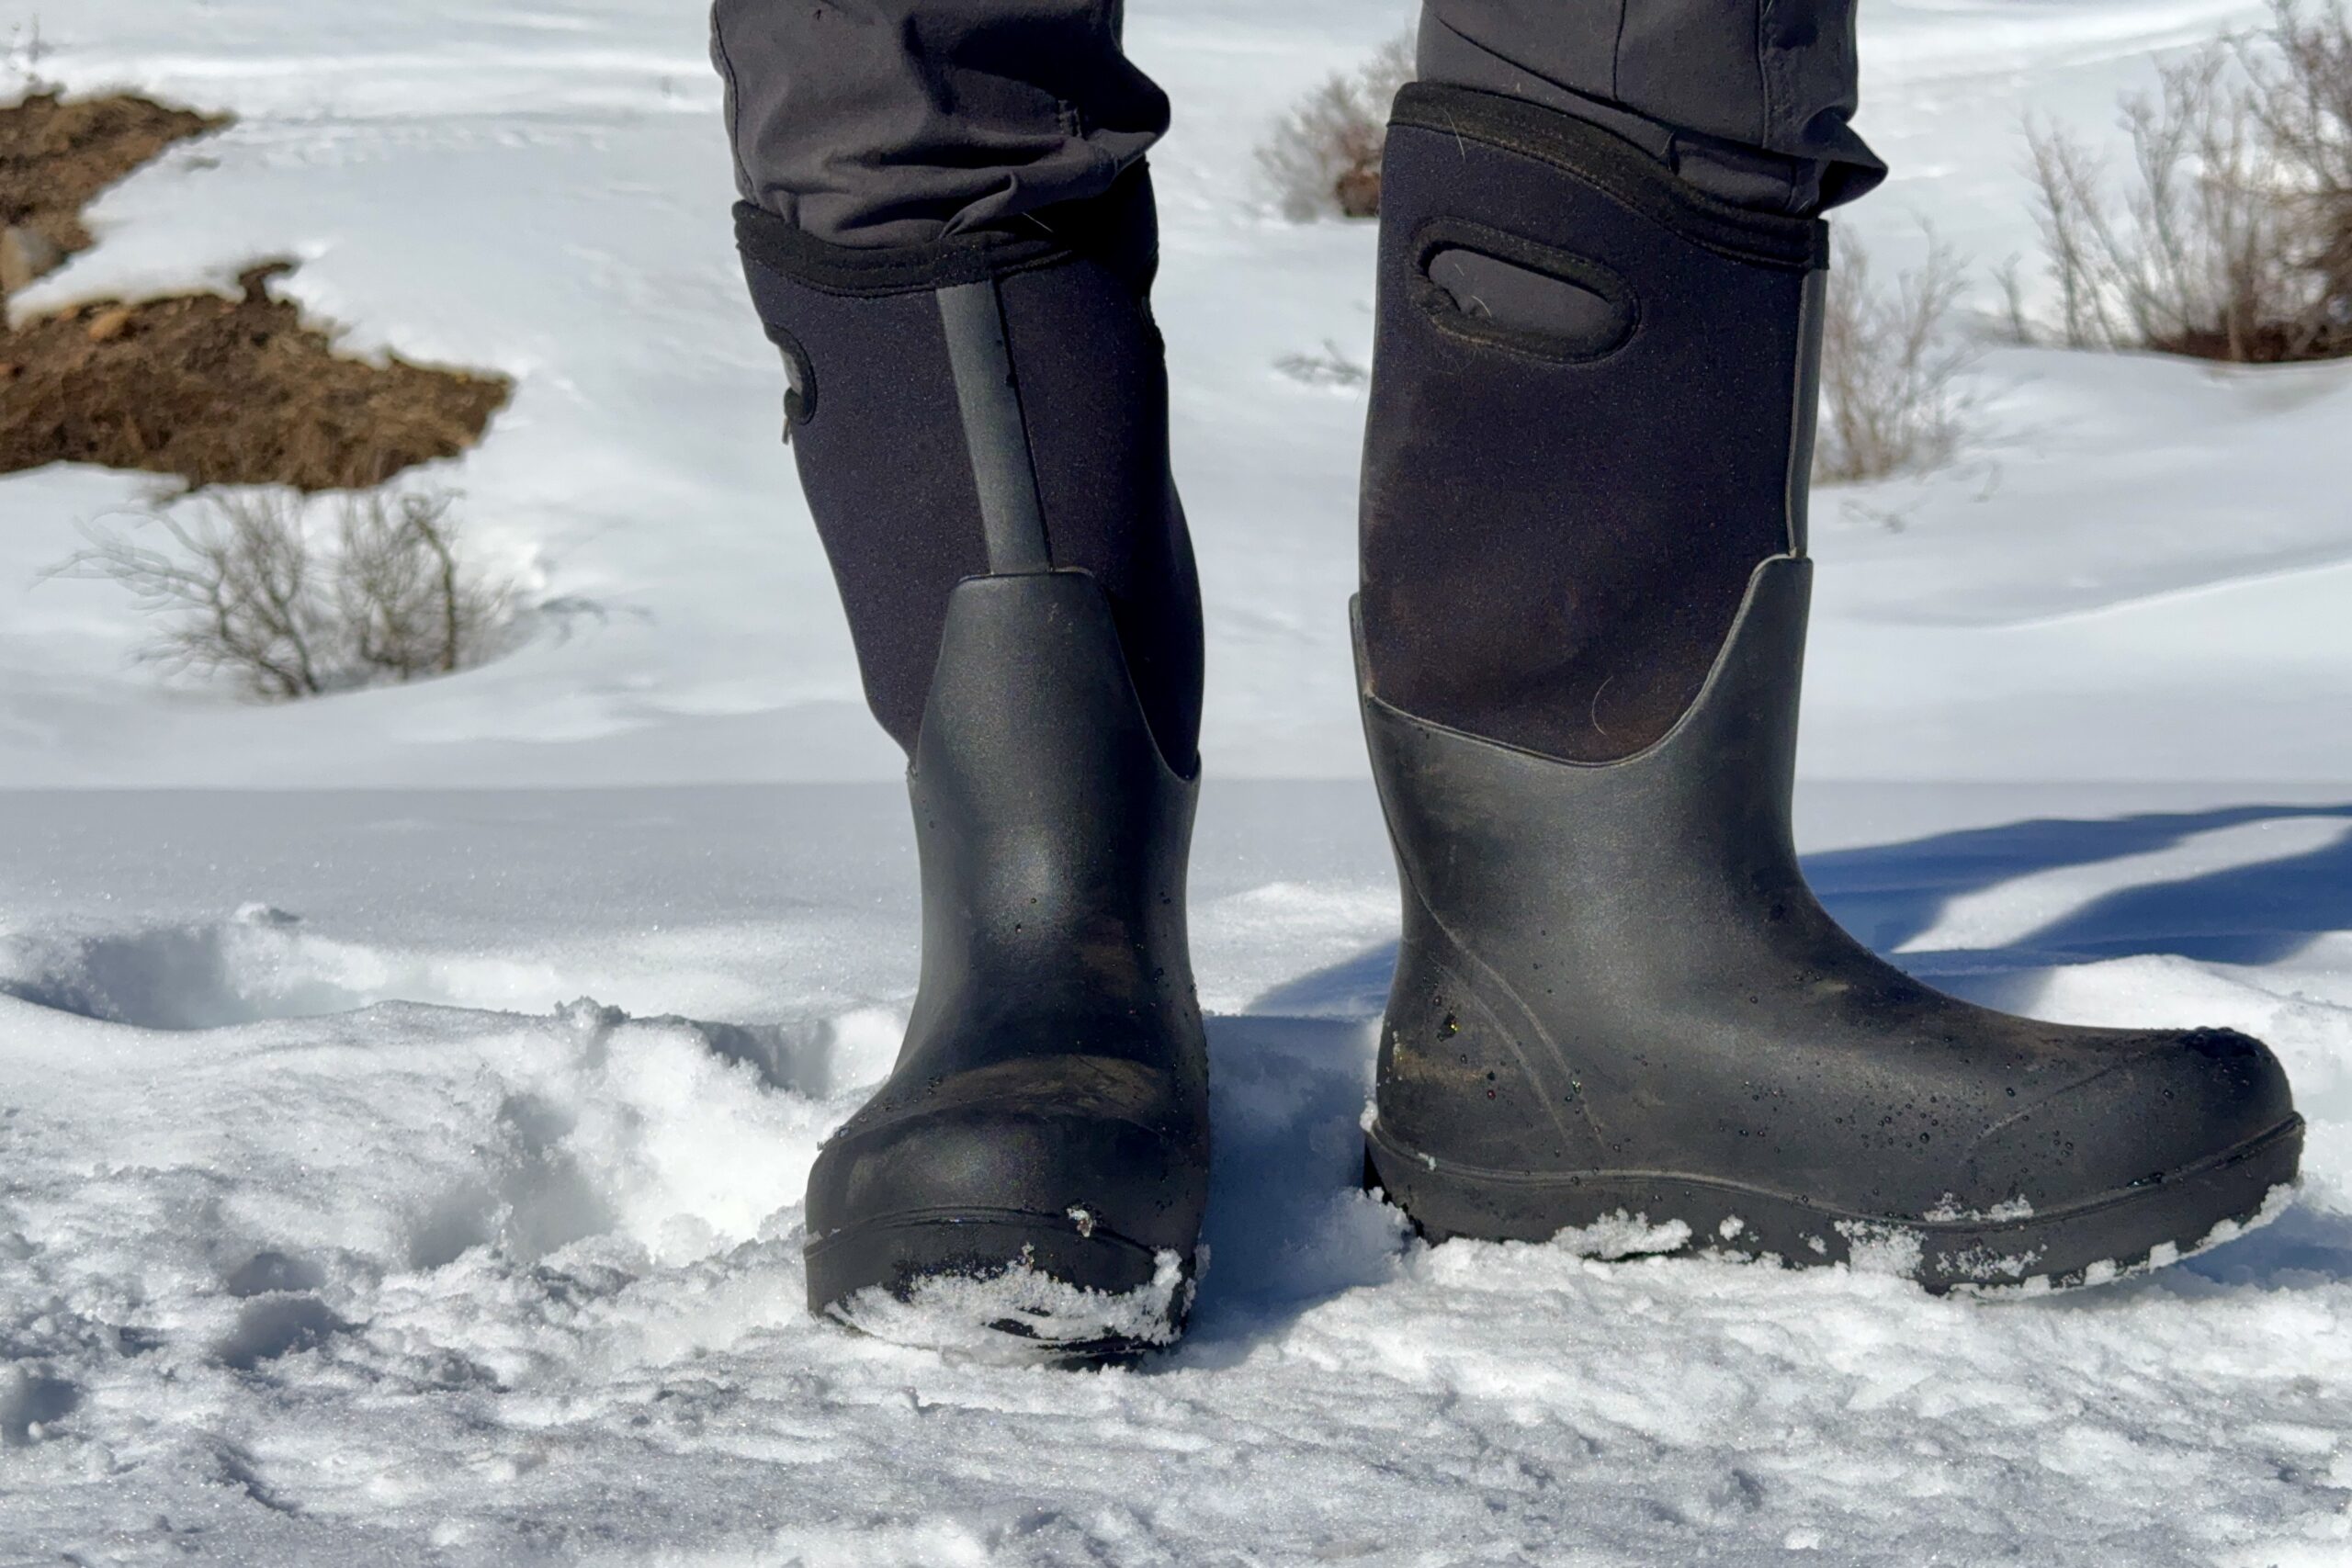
(31, 1402)
(1873, 1248)
(1980, 1265)
(1022, 1315)
(1951, 1208)
(1624, 1235)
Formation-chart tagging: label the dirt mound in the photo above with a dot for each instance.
(55, 156)
(213, 390)
(221, 392)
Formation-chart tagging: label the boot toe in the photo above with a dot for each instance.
(1021, 1144)
(2163, 1104)
(1051, 1202)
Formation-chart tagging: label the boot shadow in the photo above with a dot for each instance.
(1289, 1223)
(2256, 912)
(2303, 1249)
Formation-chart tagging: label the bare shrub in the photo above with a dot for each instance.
(2302, 101)
(1323, 156)
(2015, 324)
(407, 604)
(2232, 238)
(24, 52)
(1893, 396)
(254, 588)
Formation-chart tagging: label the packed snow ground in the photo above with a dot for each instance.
(365, 1237)
(407, 1174)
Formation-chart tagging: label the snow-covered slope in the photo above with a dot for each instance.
(547, 194)
(412, 1175)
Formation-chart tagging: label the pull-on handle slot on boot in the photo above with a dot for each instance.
(1510, 292)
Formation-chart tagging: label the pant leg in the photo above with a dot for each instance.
(948, 231)
(1749, 100)
(899, 122)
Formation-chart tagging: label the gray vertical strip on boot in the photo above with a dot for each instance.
(1011, 516)
(1806, 413)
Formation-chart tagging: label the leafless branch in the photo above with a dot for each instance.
(1893, 393)
(243, 586)
(1323, 156)
(2233, 237)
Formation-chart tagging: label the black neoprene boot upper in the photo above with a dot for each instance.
(1618, 1012)
(980, 428)
(908, 505)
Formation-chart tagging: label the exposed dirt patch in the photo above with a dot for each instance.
(55, 156)
(213, 390)
(221, 392)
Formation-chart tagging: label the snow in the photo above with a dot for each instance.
(346, 1232)
(405, 1098)
(1024, 1314)
(1622, 1234)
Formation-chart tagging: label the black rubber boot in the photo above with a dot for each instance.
(1037, 1162)
(1618, 1012)
(981, 430)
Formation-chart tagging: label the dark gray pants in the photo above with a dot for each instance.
(889, 122)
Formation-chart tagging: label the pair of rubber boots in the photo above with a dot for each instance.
(1619, 1017)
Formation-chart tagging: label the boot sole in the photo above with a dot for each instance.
(1627, 1213)
(1002, 1284)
